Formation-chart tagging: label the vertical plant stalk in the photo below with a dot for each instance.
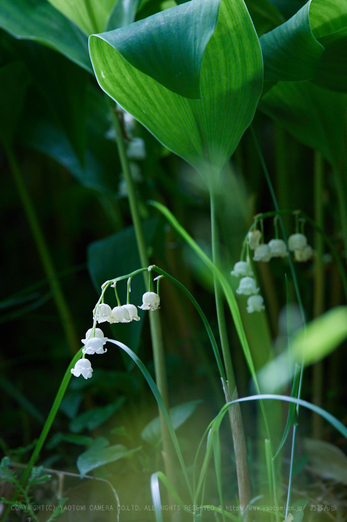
(318, 293)
(154, 319)
(53, 280)
(230, 389)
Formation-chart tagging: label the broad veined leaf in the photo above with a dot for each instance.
(203, 131)
(90, 15)
(315, 116)
(37, 20)
(92, 419)
(101, 453)
(178, 415)
(312, 45)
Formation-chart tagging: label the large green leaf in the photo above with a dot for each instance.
(312, 45)
(101, 453)
(37, 20)
(178, 415)
(203, 131)
(90, 15)
(315, 116)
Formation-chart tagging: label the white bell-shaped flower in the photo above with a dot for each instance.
(297, 242)
(82, 367)
(150, 301)
(103, 313)
(278, 248)
(94, 345)
(255, 303)
(254, 237)
(120, 314)
(247, 286)
(132, 310)
(262, 253)
(94, 332)
(241, 268)
(304, 254)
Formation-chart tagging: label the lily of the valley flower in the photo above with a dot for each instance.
(94, 345)
(304, 254)
(103, 313)
(247, 286)
(297, 242)
(242, 268)
(278, 248)
(94, 342)
(94, 332)
(262, 253)
(254, 237)
(150, 301)
(255, 303)
(124, 314)
(82, 367)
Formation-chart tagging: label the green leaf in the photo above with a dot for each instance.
(40, 131)
(124, 13)
(291, 52)
(14, 80)
(63, 87)
(90, 15)
(179, 414)
(169, 46)
(265, 16)
(205, 132)
(94, 418)
(99, 454)
(315, 116)
(309, 46)
(37, 20)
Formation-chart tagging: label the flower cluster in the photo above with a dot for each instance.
(264, 252)
(95, 340)
(248, 286)
(297, 243)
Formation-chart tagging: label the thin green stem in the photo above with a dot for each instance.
(53, 279)
(154, 319)
(230, 389)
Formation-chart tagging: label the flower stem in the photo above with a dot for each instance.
(154, 319)
(230, 389)
(61, 304)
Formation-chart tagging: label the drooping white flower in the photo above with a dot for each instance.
(254, 237)
(82, 367)
(247, 286)
(304, 254)
(297, 242)
(150, 301)
(262, 253)
(278, 248)
(120, 315)
(132, 310)
(103, 313)
(94, 332)
(241, 268)
(255, 303)
(94, 345)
